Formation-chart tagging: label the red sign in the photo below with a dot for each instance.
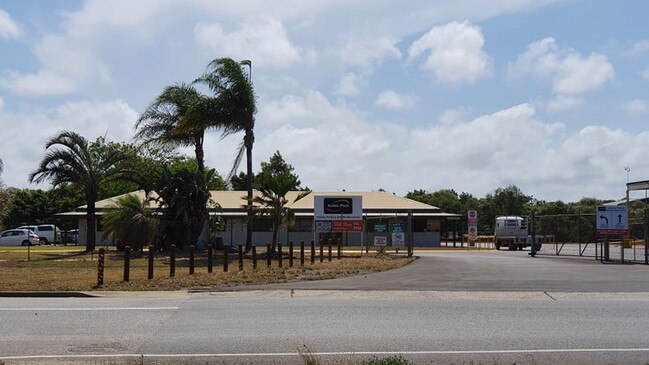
(612, 232)
(347, 226)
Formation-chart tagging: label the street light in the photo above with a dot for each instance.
(627, 169)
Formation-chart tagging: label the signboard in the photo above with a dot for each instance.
(398, 235)
(380, 241)
(472, 224)
(612, 220)
(323, 226)
(347, 226)
(380, 227)
(331, 208)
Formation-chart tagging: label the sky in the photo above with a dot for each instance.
(358, 95)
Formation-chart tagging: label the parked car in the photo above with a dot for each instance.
(47, 233)
(18, 237)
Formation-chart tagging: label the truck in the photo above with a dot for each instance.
(511, 232)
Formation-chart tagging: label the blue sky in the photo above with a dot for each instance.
(472, 95)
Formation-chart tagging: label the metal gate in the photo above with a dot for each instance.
(576, 235)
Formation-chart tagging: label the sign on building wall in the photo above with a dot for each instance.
(331, 208)
(380, 241)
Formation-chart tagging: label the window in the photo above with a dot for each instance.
(511, 223)
(302, 225)
(45, 228)
(262, 225)
(19, 233)
(6, 234)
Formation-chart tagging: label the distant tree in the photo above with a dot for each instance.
(70, 160)
(131, 222)
(6, 195)
(274, 167)
(273, 202)
(238, 182)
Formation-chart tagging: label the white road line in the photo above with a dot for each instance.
(86, 309)
(338, 353)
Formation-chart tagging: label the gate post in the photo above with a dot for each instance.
(646, 236)
(533, 233)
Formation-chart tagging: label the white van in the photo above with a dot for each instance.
(47, 233)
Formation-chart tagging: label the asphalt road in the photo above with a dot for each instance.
(490, 271)
(269, 327)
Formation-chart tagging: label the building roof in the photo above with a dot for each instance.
(233, 201)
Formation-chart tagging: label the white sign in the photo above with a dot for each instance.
(612, 220)
(398, 239)
(329, 208)
(380, 241)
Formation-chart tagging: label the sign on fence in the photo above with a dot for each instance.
(612, 220)
(472, 221)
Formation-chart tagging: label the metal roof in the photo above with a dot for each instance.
(233, 201)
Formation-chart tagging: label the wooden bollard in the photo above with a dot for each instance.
(100, 267)
(150, 271)
(290, 254)
(192, 254)
(127, 263)
(321, 250)
(312, 252)
(240, 257)
(329, 250)
(210, 258)
(340, 249)
(226, 250)
(172, 261)
(279, 251)
(302, 253)
(268, 257)
(254, 257)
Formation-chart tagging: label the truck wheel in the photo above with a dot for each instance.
(520, 247)
(512, 247)
(497, 246)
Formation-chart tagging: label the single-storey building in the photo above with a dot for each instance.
(382, 213)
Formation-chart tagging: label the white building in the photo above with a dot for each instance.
(421, 221)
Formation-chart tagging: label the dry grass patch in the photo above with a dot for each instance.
(71, 269)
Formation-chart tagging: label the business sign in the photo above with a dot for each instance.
(323, 226)
(398, 235)
(612, 220)
(347, 226)
(472, 224)
(338, 207)
(380, 241)
(380, 227)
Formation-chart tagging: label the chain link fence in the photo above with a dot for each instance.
(576, 235)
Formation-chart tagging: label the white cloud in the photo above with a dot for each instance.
(368, 53)
(454, 53)
(571, 73)
(9, 29)
(262, 39)
(65, 68)
(29, 132)
(390, 99)
(636, 107)
(562, 103)
(645, 73)
(2, 104)
(348, 84)
(639, 48)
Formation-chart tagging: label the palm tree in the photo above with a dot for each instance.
(178, 117)
(69, 159)
(131, 222)
(234, 101)
(273, 202)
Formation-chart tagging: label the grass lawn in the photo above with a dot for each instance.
(69, 268)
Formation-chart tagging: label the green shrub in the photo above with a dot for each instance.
(392, 360)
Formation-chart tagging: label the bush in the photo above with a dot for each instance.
(392, 360)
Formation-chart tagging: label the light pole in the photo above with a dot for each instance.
(248, 141)
(627, 169)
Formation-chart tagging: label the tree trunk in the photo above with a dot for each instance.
(90, 226)
(249, 139)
